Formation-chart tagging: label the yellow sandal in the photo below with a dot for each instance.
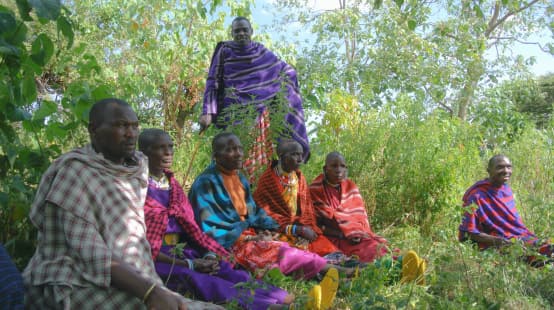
(329, 286)
(314, 298)
(413, 267)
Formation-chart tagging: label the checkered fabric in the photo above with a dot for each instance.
(88, 209)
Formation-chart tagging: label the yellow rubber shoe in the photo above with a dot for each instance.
(410, 266)
(420, 279)
(314, 298)
(329, 286)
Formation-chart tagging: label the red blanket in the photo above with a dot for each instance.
(157, 216)
(349, 213)
(268, 195)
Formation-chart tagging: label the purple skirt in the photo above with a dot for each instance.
(221, 287)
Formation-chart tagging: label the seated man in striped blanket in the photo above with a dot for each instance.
(491, 218)
(341, 214)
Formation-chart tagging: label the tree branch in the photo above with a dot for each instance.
(493, 23)
(542, 47)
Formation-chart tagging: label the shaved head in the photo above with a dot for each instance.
(149, 136)
(286, 145)
(333, 155)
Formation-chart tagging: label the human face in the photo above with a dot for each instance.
(241, 32)
(116, 136)
(335, 170)
(500, 172)
(160, 154)
(291, 159)
(230, 156)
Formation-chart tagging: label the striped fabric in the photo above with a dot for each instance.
(269, 196)
(253, 75)
(157, 217)
(348, 209)
(492, 211)
(260, 154)
(341, 211)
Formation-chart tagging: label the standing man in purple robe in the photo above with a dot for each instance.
(246, 73)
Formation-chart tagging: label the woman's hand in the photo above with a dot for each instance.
(307, 233)
(206, 265)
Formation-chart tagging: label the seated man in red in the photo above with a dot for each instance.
(491, 219)
(341, 213)
(283, 193)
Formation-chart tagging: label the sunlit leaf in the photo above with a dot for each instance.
(412, 24)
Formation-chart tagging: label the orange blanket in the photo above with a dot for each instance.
(268, 195)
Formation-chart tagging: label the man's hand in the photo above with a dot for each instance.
(266, 235)
(307, 233)
(162, 298)
(205, 121)
(206, 265)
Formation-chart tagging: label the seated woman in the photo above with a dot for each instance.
(226, 211)
(283, 193)
(342, 216)
(170, 221)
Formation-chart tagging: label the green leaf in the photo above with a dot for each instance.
(56, 130)
(8, 49)
(377, 4)
(28, 88)
(46, 108)
(19, 36)
(478, 11)
(101, 92)
(24, 9)
(12, 154)
(42, 49)
(17, 115)
(82, 108)
(399, 2)
(412, 24)
(64, 26)
(201, 9)
(7, 23)
(47, 9)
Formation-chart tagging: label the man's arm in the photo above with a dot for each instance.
(126, 278)
(489, 240)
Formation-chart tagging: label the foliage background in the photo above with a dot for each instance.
(407, 95)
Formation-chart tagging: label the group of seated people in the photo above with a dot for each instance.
(116, 230)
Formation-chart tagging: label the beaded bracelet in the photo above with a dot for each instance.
(210, 255)
(148, 292)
